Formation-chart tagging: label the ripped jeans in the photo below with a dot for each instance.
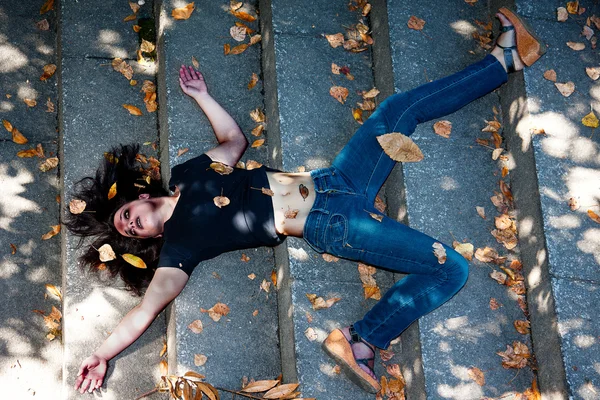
(339, 222)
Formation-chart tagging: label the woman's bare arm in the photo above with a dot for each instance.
(232, 142)
(166, 284)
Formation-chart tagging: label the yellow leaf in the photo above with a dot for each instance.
(220, 168)
(163, 367)
(183, 12)
(257, 115)
(129, 18)
(244, 16)
(217, 311)
(258, 142)
(590, 120)
(7, 125)
(573, 7)
(400, 147)
(106, 253)
(30, 102)
(53, 232)
(251, 164)
(112, 192)
(195, 63)
(226, 48)
(146, 46)
(253, 81)
(136, 28)
(133, 110)
(595, 217)
(134, 260)
(48, 164)
(258, 130)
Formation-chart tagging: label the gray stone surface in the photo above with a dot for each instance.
(240, 344)
(567, 166)
(92, 121)
(442, 192)
(30, 364)
(321, 17)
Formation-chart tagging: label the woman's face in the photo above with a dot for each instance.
(139, 219)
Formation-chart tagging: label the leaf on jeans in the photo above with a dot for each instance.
(220, 168)
(335, 40)
(251, 164)
(183, 13)
(400, 147)
(415, 23)
(134, 260)
(566, 89)
(443, 128)
(440, 252)
(339, 93)
(266, 191)
(196, 326)
(53, 232)
(476, 375)
(318, 303)
(376, 217)
(106, 253)
(217, 311)
(221, 201)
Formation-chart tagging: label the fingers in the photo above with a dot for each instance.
(195, 74)
(84, 386)
(186, 73)
(80, 379)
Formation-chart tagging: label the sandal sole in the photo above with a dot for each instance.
(337, 347)
(529, 46)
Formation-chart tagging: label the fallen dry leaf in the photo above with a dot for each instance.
(318, 303)
(550, 75)
(499, 277)
(134, 260)
(18, 137)
(587, 32)
(487, 255)
(255, 39)
(264, 285)
(48, 164)
(238, 33)
(106, 253)
(53, 232)
(494, 305)
(400, 147)
(200, 360)
(30, 102)
(329, 257)
(515, 356)
(121, 66)
(13, 249)
(257, 115)
(464, 249)
(415, 23)
(196, 326)
(260, 386)
(311, 334)
(251, 164)
(281, 391)
(386, 355)
(226, 48)
(49, 105)
(339, 93)
(244, 16)
(443, 128)
(590, 120)
(252, 276)
(43, 25)
(221, 201)
(477, 375)
(595, 217)
(133, 110)
(480, 211)
(217, 311)
(53, 290)
(112, 192)
(266, 191)
(376, 217)
(573, 7)
(371, 94)
(147, 47)
(593, 72)
(562, 14)
(257, 143)
(335, 40)
(253, 81)
(522, 326)
(220, 168)
(258, 130)
(181, 152)
(47, 6)
(577, 46)
(183, 13)
(566, 89)
(240, 48)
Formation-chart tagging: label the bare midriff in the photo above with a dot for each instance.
(293, 197)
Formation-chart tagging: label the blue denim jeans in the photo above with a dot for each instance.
(339, 222)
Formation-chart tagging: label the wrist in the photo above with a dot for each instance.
(201, 96)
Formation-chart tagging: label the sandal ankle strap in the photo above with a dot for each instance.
(507, 28)
(356, 338)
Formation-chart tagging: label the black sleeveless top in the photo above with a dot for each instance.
(198, 230)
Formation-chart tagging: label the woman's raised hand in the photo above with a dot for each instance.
(191, 81)
(91, 373)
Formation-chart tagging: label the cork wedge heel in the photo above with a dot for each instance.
(529, 46)
(338, 347)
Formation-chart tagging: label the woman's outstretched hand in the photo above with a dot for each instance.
(191, 81)
(91, 373)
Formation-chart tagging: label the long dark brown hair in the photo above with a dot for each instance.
(129, 169)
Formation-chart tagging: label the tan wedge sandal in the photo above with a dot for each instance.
(338, 347)
(529, 46)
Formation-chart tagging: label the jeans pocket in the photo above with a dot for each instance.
(337, 230)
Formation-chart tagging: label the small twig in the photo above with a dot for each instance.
(517, 374)
(147, 394)
(237, 393)
(426, 35)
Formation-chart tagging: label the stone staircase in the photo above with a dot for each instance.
(264, 334)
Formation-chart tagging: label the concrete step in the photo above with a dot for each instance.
(92, 120)
(242, 344)
(551, 169)
(30, 363)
